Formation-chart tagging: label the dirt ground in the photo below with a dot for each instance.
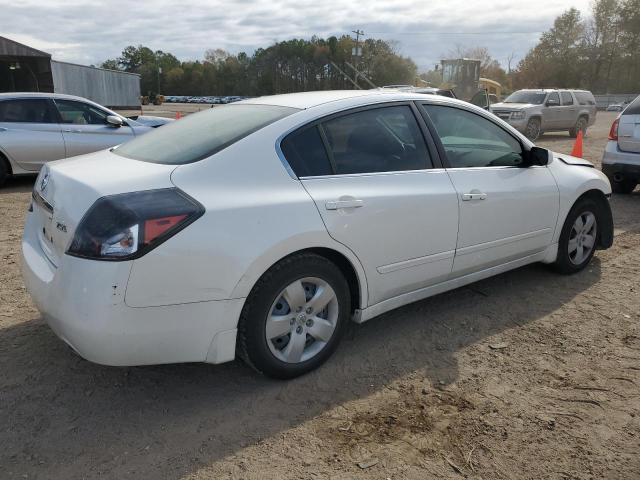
(528, 375)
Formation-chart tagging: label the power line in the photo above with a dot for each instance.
(457, 33)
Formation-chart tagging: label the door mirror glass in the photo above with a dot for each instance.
(537, 156)
(114, 121)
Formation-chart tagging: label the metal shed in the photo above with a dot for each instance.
(25, 69)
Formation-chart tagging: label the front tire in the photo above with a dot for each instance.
(532, 132)
(294, 316)
(625, 187)
(579, 237)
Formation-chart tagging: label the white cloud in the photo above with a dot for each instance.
(90, 31)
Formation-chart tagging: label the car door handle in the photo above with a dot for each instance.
(474, 195)
(2, 129)
(335, 205)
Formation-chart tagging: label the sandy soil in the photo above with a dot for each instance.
(528, 375)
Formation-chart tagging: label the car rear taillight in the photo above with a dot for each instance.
(613, 133)
(128, 225)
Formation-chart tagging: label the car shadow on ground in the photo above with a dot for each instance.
(22, 183)
(169, 421)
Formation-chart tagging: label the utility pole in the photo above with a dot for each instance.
(357, 52)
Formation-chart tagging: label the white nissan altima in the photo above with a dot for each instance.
(261, 228)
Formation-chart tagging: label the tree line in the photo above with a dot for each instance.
(288, 66)
(600, 52)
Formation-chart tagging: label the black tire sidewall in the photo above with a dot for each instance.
(532, 121)
(563, 262)
(254, 346)
(4, 171)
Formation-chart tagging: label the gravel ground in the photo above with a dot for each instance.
(527, 375)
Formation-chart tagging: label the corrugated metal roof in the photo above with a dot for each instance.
(12, 48)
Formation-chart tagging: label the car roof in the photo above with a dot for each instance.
(11, 95)
(305, 100)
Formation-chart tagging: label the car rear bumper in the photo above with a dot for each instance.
(83, 303)
(619, 164)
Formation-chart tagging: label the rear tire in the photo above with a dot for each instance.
(533, 129)
(579, 238)
(625, 187)
(4, 170)
(283, 335)
(581, 124)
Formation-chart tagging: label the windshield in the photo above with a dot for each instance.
(535, 98)
(201, 135)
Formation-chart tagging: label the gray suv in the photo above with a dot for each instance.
(36, 128)
(534, 112)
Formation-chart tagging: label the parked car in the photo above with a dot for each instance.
(621, 159)
(150, 120)
(615, 107)
(36, 128)
(264, 226)
(534, 112)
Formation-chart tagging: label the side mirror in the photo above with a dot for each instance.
(115, 121)
(537, 156)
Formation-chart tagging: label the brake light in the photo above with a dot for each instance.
(613, 133)
(126, 226)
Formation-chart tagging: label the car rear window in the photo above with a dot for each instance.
(633, 108)
(201, 135)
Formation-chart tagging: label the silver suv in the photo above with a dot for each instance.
(534, 112)
(621, 159)
(36, 128)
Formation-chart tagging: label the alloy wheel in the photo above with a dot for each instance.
(582, 238)
(302, 320)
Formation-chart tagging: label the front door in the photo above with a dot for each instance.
(568, 111)
(29, 132)
(380, 196)
(85, 128)
(552, 114)
(507, 211)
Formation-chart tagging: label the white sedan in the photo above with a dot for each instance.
(261, 228)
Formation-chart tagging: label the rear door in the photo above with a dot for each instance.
(29, 132)
(507, 212)
(370, 173)
(568, 110)
(629, 128)
(85, 128)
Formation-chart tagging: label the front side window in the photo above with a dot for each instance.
(27, 110)
(471, 140)
(386, 139)
(567, 99)
(79, 113)
(202, 134)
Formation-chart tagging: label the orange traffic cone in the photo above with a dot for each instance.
(577, 147)
(178, 115)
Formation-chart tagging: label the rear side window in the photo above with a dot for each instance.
(27, 110)
(306, 154)
(79, 113)
(386, 139)
(633, 108)
(567, 99)
(585, 98)
(202, 134)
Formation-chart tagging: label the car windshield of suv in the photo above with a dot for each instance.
(535, 98)
(201, 135)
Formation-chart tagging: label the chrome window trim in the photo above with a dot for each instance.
(369, 174)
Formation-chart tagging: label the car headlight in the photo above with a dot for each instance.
(517, 115)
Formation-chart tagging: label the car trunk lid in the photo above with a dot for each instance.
(629, 133)
(66, 189)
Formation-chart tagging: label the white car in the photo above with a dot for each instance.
(262, 227)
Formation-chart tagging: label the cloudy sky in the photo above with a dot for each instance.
(88, 32)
